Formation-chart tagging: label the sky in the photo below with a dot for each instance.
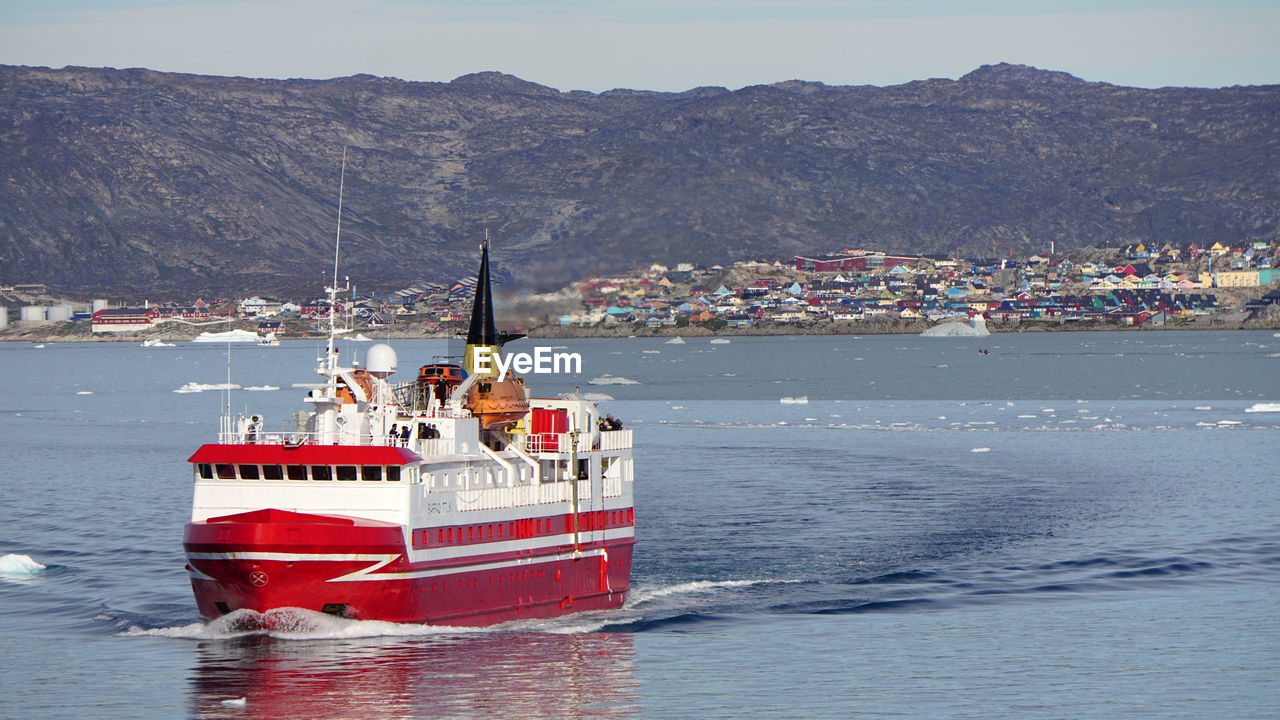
(664, 45)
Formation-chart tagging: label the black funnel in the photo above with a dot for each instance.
(482, 330)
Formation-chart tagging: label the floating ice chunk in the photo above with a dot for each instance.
(720, 341)
(651, 352)
(788, 400)
(1229, 422)
(261, 388)
(677, 340)
(14, 564)
(85, 392)
(1028, 417)
(608, 379)
(980, 450)
(193, 387)
(1263, 407)
(228, 336)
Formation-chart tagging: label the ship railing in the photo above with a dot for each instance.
(545, 442)
(610, 440)
(615, 440)
(252, 437)
(521, 495)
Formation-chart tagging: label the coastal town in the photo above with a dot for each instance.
(847, 291)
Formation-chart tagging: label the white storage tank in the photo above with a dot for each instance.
(33, 313)
(59, 313)
(99, 305)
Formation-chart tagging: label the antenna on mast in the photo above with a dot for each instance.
(337, 240)
(337, 244)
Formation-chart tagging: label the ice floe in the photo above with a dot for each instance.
(1263, 407)
(195, 387)
(608, 379)
(19, 565)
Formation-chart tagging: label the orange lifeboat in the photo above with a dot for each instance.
(361, 378)
(498, 403)
(438, 380)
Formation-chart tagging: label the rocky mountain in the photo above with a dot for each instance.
(127, 179)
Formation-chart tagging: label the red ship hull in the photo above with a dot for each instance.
(363, 569)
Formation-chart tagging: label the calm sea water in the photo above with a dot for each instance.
(1071, 526)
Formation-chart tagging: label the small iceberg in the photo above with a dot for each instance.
(608, 379)
(788, 400)
(156, 343)
(361, 338)
(677, 340)
(719, 341)
(194, 387)
(228, 336)
(976, 327)
(651, 352)
(19, 565)
(980, 450)
(85, 392)
(1263, 407)
(40, 346)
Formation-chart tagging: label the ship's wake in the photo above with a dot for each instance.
(647, 605)
(289, 624)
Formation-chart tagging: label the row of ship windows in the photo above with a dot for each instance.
(228, 471)
(520, 529)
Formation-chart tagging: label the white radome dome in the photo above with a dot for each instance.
(380, 360)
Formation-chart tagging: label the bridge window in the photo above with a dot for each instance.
(371, 472)
(248, 472)
(346, 472)
(205, 470)
(272, 472)
(226, 471)
(297, 472)
(393, 473)
(320, 472)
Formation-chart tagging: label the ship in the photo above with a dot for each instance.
(451, 497)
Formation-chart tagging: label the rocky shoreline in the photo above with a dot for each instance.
(80, 331)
